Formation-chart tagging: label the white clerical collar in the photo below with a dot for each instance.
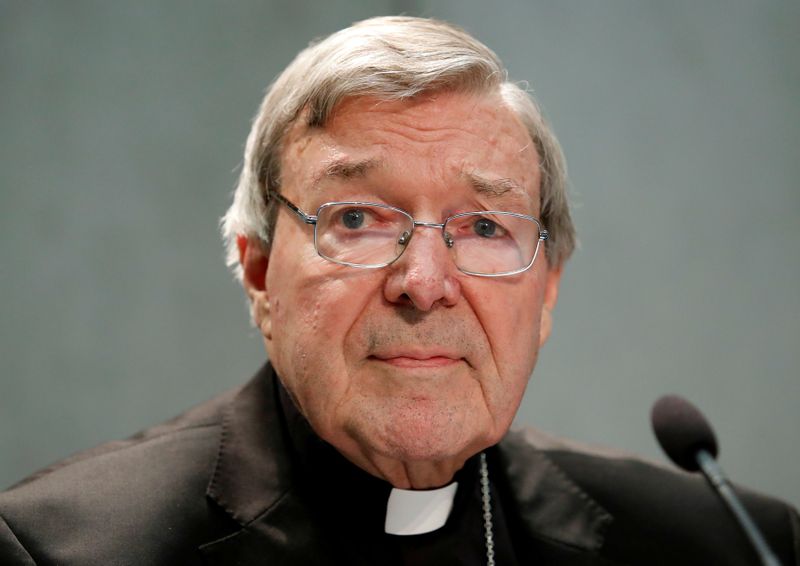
(410, 512)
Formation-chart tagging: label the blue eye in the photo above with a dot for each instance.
(485, 227)
(353, 218)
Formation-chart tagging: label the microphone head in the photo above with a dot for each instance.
(682, 430)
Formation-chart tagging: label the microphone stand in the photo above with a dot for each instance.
(716, 477)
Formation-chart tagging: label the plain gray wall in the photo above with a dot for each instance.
(123, 125)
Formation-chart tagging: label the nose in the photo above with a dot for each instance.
(425, 275)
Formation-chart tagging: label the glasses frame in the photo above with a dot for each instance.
(544, 235)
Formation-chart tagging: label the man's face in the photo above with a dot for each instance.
(408, 369)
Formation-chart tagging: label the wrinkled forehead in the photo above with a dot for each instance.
(476, 137)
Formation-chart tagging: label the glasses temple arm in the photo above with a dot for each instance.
(307, 218)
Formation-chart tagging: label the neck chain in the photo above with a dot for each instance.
(486, 500)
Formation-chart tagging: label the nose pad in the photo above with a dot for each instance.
(425, 276)
(405, 238)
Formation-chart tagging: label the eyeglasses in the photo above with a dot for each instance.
(488, 243)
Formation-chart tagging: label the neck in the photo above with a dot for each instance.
(410, 475)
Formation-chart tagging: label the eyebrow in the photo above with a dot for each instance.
(493, 187)
(343, 169)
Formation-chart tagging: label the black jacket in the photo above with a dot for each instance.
(218, 486)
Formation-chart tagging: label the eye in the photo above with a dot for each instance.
(485, 227)
(353, 218)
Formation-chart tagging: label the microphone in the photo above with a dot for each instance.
(689, 441)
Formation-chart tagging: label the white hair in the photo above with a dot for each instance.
(391, 58)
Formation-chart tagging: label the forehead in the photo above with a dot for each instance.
(444, 139)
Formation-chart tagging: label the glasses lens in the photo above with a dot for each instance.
(364, 235)
(493, 243)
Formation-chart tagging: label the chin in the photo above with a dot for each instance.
(426, 452)
(430, 440)
(421, 429)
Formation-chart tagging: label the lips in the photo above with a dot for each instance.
(431, 340)
(418, 358)
(434, 362)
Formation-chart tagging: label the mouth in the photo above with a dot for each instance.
(415, 360)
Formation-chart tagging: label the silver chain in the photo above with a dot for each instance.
(486, 498)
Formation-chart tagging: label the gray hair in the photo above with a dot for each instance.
(391, 58)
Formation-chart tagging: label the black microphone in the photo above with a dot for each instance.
(689, 441)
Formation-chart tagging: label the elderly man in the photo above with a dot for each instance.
(399, 228)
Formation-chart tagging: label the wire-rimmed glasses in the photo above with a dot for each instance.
(489, 243)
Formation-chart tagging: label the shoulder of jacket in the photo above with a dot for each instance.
(148, 487)
(652, 501)
(12, 552)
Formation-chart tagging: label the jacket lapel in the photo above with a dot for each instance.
(252, 482)
(284, 534)
(551, 506)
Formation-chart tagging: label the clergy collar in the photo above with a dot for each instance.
(416, 512)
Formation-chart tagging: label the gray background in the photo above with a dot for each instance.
(122, 126)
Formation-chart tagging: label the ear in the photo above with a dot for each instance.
(254, 259)
(549, 303)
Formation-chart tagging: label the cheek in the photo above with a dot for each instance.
(309, 348)
(526, 321)
(511, 322)
(295, 294)
(510, 319)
